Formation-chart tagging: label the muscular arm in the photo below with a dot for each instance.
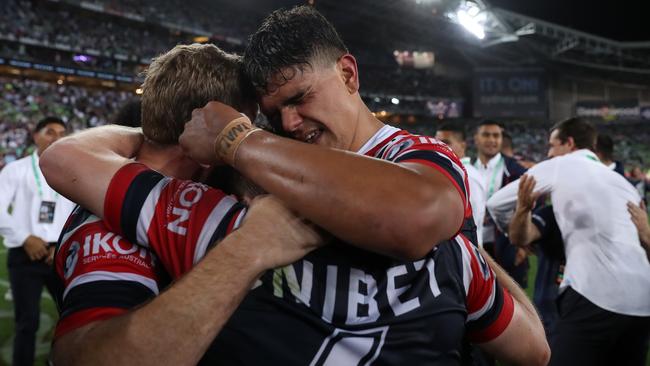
(177, 327)
(523, 342)
(81, 166)
(521, 230)
(401, 210)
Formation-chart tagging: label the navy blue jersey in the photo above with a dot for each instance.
(550, 262)
(551, 237)
(340, 305)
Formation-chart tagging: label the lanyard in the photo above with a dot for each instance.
(37, 177)
(497, 168)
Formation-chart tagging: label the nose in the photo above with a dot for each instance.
(291, 119)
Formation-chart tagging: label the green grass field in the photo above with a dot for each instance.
(49, 315)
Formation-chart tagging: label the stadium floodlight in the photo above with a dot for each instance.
(472, 18)
(394, 101)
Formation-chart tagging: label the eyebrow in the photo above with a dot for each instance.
(295, 98)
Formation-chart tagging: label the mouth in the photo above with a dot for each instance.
(312, 136)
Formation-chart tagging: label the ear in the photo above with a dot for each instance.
(571, 143)
(347, 66)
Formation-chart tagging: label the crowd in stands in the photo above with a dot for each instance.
(44, 24)
(25, 102)
(177, 12)
(117, 44)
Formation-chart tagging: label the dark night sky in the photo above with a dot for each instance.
(622, 20)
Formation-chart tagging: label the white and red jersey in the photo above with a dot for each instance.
(177, 219)
(339, 304)
(103, 274)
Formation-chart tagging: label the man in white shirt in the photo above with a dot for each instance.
(454, 136)
(498, 170)
(30, 232)
(604, 305)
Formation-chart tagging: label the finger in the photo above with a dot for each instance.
(528, 187)
(523, 181)
(195, 113)
(643, 207)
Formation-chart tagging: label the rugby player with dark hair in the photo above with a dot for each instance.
(340, 171)
(401, 267)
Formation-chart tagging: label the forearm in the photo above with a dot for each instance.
(175, 328)
(521, 230)
(343, 192)
(81, 166)
(509, 284)
(524, 340)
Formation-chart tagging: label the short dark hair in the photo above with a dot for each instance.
(130, 114)
(583, 133)
(605, 146)
(290, 38)
(454, 128)
(46, 121)
(490, 122)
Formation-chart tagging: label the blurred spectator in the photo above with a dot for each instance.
(30, 232)
(605, 152)
(25, 101)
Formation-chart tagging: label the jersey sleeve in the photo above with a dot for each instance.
(102, 274)
(489, 305)
(550, 240)
(177, 219)
(434, 154)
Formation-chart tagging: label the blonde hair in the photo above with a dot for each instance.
(185, 78)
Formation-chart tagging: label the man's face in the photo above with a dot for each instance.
(48, 135)
(452, 139)
(556, 147)
(314, 106)
(488, 140)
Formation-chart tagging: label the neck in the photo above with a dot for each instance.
(169, 160)
(485, 158)
(366, 127)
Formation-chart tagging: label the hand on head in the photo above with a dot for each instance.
(200, 133)
(525, 197)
